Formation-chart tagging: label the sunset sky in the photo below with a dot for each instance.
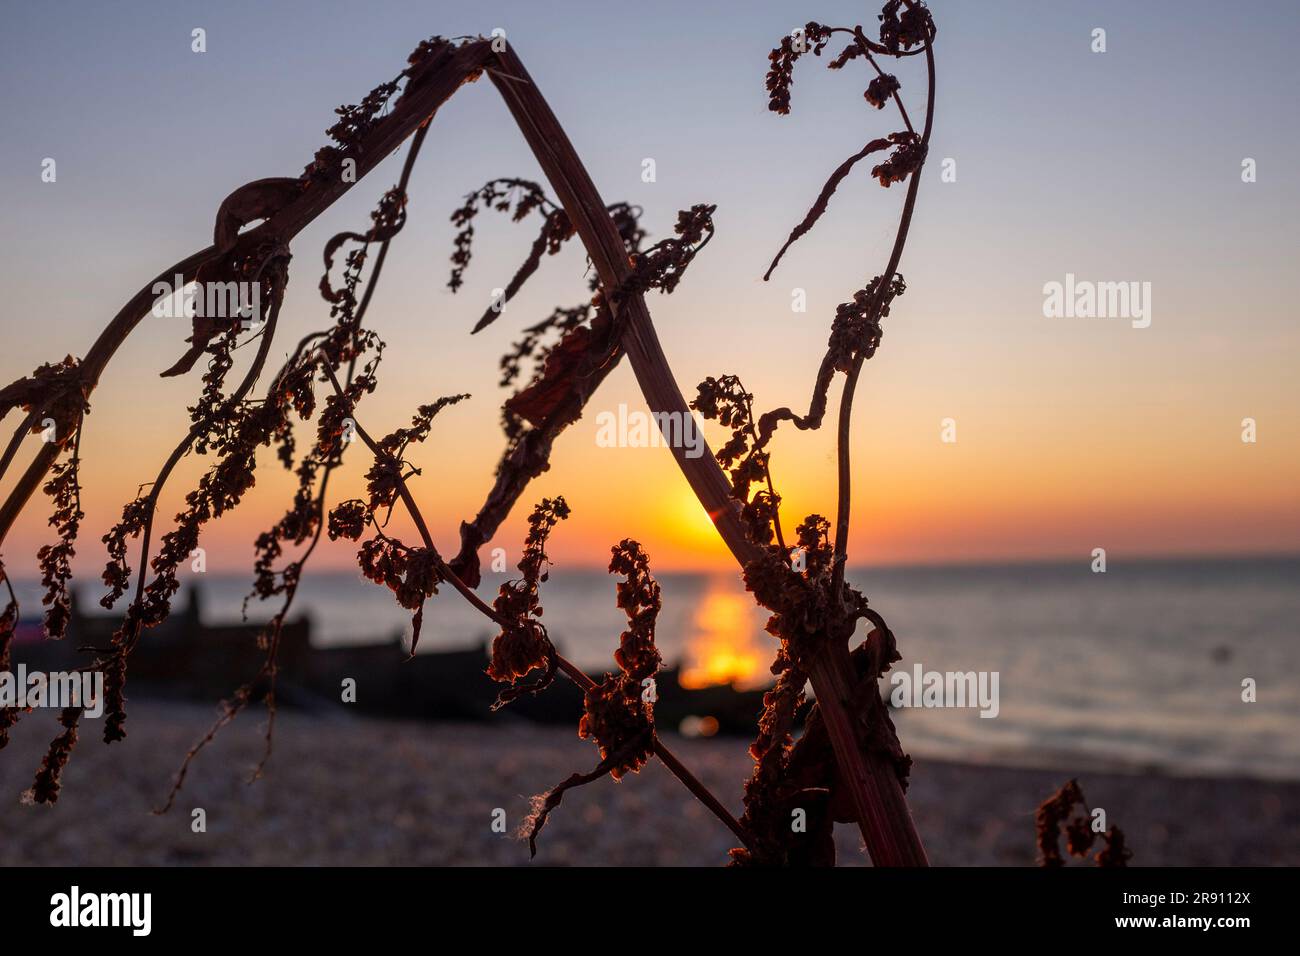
(1072, 433)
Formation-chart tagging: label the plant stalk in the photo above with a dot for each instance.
(883, 818)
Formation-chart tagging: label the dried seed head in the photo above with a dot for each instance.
(880, 89)
(780, 74)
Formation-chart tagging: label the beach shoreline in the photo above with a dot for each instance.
(361, 791)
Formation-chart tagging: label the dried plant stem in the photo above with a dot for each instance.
(441, 78)
(182, 448)
(851, 382)
(872, 782)
(573, 671)
(888, 797)
(586, 210)
(669, 760)
(114, 334)
(883, 817)
(19, 434)
(269, 669)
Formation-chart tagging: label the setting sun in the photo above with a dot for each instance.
(689, 537)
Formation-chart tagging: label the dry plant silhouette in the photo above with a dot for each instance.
(1069, 806)
(848, 766)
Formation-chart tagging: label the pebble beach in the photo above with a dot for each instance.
(364, 792)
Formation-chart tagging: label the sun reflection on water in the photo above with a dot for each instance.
(723, 645)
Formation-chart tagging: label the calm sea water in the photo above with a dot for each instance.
(1141, 666)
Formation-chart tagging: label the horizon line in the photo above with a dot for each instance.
(1060, 560)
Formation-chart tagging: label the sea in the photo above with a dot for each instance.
(1187, 667)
